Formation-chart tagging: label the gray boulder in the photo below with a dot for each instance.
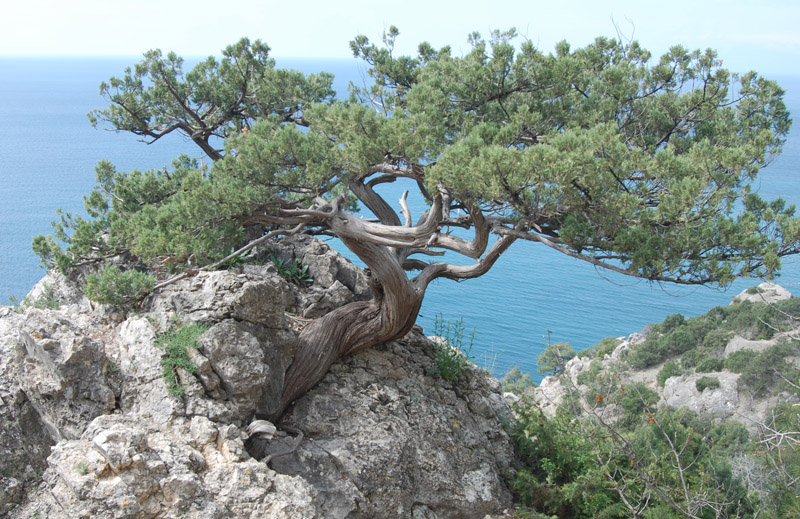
(721, 402)
(61, 369)
(764, 293)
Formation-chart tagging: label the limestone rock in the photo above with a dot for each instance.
(249, 361)
(325, 265)
(24, 442)
(138, 361)
(318, 302)
(258, 295)
(123, 467)
(738, 343)
(61, 369)
(373, 444)
(378, 437)
(721, 402)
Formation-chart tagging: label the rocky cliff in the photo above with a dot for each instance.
(715, 340)
(112, 413)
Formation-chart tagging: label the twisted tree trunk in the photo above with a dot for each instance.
(390, 314)
(396, 302)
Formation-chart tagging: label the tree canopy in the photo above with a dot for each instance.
(638, 165)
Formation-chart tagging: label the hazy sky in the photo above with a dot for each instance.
(761, 35)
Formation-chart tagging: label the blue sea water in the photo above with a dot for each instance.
(531, 296)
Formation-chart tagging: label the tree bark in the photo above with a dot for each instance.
(390, 314)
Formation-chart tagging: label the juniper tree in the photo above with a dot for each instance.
(638, 165)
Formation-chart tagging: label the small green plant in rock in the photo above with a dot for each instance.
(452, 354)
(46, 300)
(601, 349)
(12, 299)
(710, 365)
(239, 260)
(704, 383)
(293, 271)
(175, 345)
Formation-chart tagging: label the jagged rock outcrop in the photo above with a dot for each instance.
(415, 435)
(380, 436)
(62, 370)
(24, 439)
(721, 402)
(764, 293)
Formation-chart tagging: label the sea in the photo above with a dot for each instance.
(532, 296)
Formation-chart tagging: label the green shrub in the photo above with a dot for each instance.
(670, 323)
(175, 344)
(692, 358)
(767, 369)
(680, 453)
(717, 339)
(707, 335)
(704, 383)
(738, 360)
(516, 382)
(588, 376)
(554, 357)
(601, 349)
(647, 354)
(754, 320)
(559, 475)
(678, 336)
(636, 400)
(710, 365)
(670, 369)
(679, 341)
(112, 286)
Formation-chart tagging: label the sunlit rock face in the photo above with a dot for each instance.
(92, 429)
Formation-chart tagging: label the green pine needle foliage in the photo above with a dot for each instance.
(604, 151)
